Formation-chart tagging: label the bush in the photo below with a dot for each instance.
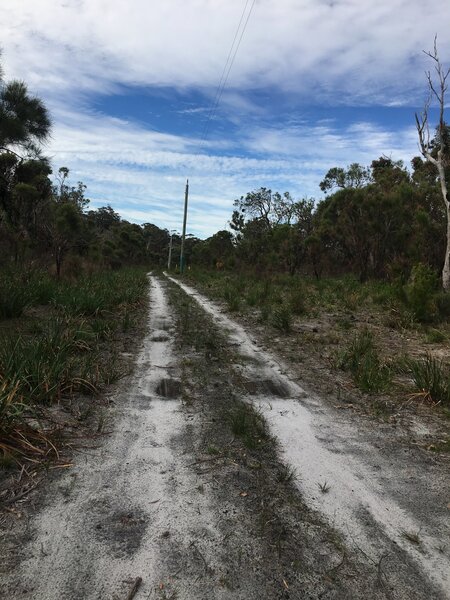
(297, 301)
(231, 296)
(420, 293)
(14, 297)
(282, 318)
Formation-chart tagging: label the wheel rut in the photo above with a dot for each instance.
(340, 474)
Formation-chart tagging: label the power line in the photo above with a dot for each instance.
(227, 68)
(224, 69)
(222, 83)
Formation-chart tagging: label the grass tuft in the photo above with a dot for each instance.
(362, 360)
(281, 318)
(431, 378)
(248, 424)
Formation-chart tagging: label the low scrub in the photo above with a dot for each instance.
(431, 378)
(62, 349)
(14, 297)
(420, 293)
(232, 298)
(281, 318)
(362, 360)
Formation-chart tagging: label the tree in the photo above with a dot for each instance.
(103, 218)
(64, 229)
(437, 88)
(24, 119)
(355, 176)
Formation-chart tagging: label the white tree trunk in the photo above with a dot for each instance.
(446, 268)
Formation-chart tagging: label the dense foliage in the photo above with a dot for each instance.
(47, 221)
(376, 222)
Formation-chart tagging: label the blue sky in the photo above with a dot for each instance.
(315, 84)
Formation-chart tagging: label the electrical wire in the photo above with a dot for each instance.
(227, 69)
(211, 108)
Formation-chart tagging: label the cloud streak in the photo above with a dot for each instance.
(296, 54)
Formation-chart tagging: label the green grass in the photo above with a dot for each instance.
(361, 359)
(431, 378)
(248, 424)
(434, 336)
(65, 347)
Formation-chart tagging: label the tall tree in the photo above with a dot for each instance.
(355, 176)
(437, 88)
(24, 119)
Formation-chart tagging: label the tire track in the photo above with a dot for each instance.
(322, 450)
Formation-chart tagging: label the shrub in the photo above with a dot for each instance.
(253, 296)
(14, 297)
(297, 301)
(231, 296)
(282, 318)
(362, 360)
(420, 293)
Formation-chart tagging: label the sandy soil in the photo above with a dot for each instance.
(380, 504)
(128, 510)
(149, 503)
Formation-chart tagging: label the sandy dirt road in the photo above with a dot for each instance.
(365, 499)
(140, 507)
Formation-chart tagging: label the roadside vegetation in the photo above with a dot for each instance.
(385, 341)
(72, 288)
(63, 344)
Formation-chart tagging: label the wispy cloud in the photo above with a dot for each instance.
(142, 174)
(356, 49)
(294, 54)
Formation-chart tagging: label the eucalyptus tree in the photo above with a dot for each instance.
(437, 154)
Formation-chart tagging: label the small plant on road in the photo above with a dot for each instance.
(324, 487)
(248, 424)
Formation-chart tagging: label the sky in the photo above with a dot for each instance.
(130, 86)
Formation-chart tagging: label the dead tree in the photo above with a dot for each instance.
(437, 89)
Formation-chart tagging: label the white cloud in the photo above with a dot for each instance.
(142, 174)
(355, 48)
(345, 52)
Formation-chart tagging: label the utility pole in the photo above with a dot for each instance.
(170, 252)
(182, 259)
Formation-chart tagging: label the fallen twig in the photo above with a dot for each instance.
(210, 458)
(132, 593)
(20, 495)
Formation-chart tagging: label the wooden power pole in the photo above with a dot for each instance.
(183, 237)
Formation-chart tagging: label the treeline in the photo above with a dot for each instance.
(47, 222)
(375, 222)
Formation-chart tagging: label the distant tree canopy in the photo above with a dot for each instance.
(47, 221)
(376, 221)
